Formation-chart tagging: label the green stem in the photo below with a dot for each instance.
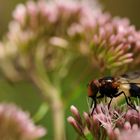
(58, 118)
(54, 100)
(50, 92)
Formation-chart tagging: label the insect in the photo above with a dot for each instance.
(112, 87)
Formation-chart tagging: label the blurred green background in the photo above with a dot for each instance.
(26, 95)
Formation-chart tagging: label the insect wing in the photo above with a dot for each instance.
(132, 77)
(130, 83)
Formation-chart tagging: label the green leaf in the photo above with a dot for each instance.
(43, 109)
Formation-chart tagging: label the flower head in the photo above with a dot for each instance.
(46, 32)
(17, 125)
(115, 42)
(112, 123)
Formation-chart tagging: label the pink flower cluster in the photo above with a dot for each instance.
(58, 29)
(115, 42)
(17, 125)
(61, 27)
(49, 29)
(113, 124)
(54, 18)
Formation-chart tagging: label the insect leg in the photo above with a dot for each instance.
(95, 104)
(91, 103)
(112, 98)
(128, 98)
(110, 103)
(134, 107)
(118, 94)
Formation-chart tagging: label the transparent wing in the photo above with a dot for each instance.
(132, 77)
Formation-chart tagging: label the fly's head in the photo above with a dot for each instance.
(93, 88)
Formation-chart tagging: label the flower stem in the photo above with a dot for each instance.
(58, 119)
(51, 93)
(52, 96)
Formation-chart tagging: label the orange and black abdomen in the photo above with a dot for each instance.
(134, 90)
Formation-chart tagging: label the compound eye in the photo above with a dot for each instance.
(95, 88)
(92, 89)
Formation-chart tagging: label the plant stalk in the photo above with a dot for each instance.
(52, 96)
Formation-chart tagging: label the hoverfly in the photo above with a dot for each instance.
(112, 87)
